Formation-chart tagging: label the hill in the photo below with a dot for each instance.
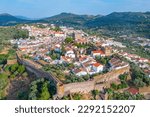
(7, 19)
(68, 19)
(123, 23)
(116, 23)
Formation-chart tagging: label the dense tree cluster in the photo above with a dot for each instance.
(15, 70)
(41, 89)
(139, 78)
(69, 40)
(126, 96)
(3, 84)
(3, 59)
(56, 70)
(103, 60)
(72, 78)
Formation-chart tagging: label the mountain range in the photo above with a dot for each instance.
(138, 22)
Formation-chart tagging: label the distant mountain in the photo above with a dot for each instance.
(27, 18)
(120, 18)
(7, 19)
(68, 19)
(123, 22)
(23, 17)
(115, 23)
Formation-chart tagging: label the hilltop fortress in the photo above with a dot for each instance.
(99, 82)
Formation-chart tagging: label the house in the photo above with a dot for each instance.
(59, 34)
(80, 72)
(98, 53)
(81, 41)
(133, 91)
(66, 59)
(97, 67)
(116, 63)
(70, 53)
(83, 59)
(143, 60)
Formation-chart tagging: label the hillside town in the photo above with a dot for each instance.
(78, 62)
(47, 41)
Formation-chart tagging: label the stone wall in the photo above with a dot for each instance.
(112, 75)
(83, 87)
(99, 82)
(39, 73)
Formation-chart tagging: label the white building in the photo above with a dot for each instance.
(97, 67)
(80, 72)
(70, 53)
(97, 53)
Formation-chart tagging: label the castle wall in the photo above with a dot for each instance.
(99, 82)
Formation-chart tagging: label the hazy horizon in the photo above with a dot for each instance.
(46, 8)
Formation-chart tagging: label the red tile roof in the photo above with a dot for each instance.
(98, 51)
(133, 91)
(97, 64)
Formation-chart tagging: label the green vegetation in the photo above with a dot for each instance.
(123, 84)
(82, 45)
(120, 23)
(3, 59)
(8, 33)
(134, 48)
(68, 19)
(15, 70)
(95, 93)
(54, 55)
(139, 78)
(11, 54)
(75, 96)
(69, 40)
(56, 70)
(125, 96)
(103, 60)
(41, 89)
(3, 84)
(72, 78)
(57, 28)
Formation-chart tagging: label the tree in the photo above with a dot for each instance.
(21, 69)
(3, 80)
(14, 67)
(77, 96)
(3, 84)
(57, 28)
(69, 40)
(95, 93)
(39, 90)
(114, 86)
(45, 95)
(123, 77)
(21, 34)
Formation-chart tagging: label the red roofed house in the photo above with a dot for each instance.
(133, 91)
(66, 59)
(143, 60)
(97, 67)
(97, 53)
(80, 72)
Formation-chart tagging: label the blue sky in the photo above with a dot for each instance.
(45, 8)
